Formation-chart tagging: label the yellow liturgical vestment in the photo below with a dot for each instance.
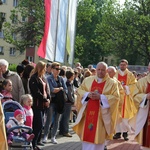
(142, 106)
(111, 92)
(3, 140)
(128, 108)
(122, 94)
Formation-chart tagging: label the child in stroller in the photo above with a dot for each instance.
(17, 120)
(19, 135)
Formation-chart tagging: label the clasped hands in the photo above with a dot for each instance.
(94, 95)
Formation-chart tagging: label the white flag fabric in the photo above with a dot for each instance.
(61, 32)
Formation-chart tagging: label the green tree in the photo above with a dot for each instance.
(28, 32)
(125, 31)
(88, 16)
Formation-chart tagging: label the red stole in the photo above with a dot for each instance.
(123, 80)
(91, 118)
(146, 129)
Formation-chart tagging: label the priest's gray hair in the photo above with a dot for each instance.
(112, 67)
(4, 62)
(103, 63)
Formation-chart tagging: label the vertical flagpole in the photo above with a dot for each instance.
(56, 30)
(66, 56)
(74, 34)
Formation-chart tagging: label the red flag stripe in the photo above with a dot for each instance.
(42, 48)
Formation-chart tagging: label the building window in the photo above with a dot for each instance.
(30, 58)
(14, 36)
(1, 34)
(3, 16)
(15, 3)
(3, 1)
(12, 51)
(2, 19)
(15, 19)
(23, 19)
(1, 50)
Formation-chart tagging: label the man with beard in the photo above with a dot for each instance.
(128, 111)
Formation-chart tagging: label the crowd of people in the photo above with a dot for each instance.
(109, 103)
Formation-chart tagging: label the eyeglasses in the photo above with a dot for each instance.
(57, 69)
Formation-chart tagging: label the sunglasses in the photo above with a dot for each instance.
(57, 68)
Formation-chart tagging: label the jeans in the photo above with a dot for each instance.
(64, 121)
(52, 117)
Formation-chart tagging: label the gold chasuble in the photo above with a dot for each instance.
(92, 114)
(3, 140)
(128, 108)
(91, 126)
(146, 129)
(142, 88)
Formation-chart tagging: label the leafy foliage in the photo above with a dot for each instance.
(29, 32)
(12, 67)
(125, 31)
(88, 15)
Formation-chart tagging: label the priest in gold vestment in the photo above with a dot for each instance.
(128, 111)
(112, 71)
(142, 102)
(3, 140)
(99, 107)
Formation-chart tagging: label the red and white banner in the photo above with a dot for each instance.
(47, 47)
(59, 23)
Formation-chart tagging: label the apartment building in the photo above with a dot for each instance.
(8, 51)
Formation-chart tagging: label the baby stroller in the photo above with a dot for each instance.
(18, 142)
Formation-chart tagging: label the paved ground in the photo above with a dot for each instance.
(66, 143)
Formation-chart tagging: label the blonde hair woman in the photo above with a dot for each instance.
(41, 99)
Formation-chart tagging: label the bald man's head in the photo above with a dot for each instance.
(101, 69)
(111, 71)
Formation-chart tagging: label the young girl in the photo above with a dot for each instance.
(26, 102)
(6, 91)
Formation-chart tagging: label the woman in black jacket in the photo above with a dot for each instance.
(41, 99)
